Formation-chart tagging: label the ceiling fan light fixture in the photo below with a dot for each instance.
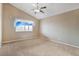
(37, 10)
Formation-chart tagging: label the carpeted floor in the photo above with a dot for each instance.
(37, 47)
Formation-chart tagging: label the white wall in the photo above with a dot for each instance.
(0, 23)
(10, 13)
(63, 27)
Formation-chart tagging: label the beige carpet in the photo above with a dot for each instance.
(37, 47)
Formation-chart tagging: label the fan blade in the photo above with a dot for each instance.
(43, 7)
(41, 11)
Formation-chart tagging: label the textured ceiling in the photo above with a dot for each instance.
(52, 8)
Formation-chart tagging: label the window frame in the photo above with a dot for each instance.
(24, 25)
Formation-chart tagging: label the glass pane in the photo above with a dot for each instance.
(20, 28)
(26, 28)
(30, 28)
(23, 25)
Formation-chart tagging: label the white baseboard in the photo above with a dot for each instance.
(64, 43)
(16, 40)
(11, 41)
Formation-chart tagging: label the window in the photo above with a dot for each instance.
(23, 25)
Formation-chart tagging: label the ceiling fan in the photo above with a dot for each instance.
(38, 9)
